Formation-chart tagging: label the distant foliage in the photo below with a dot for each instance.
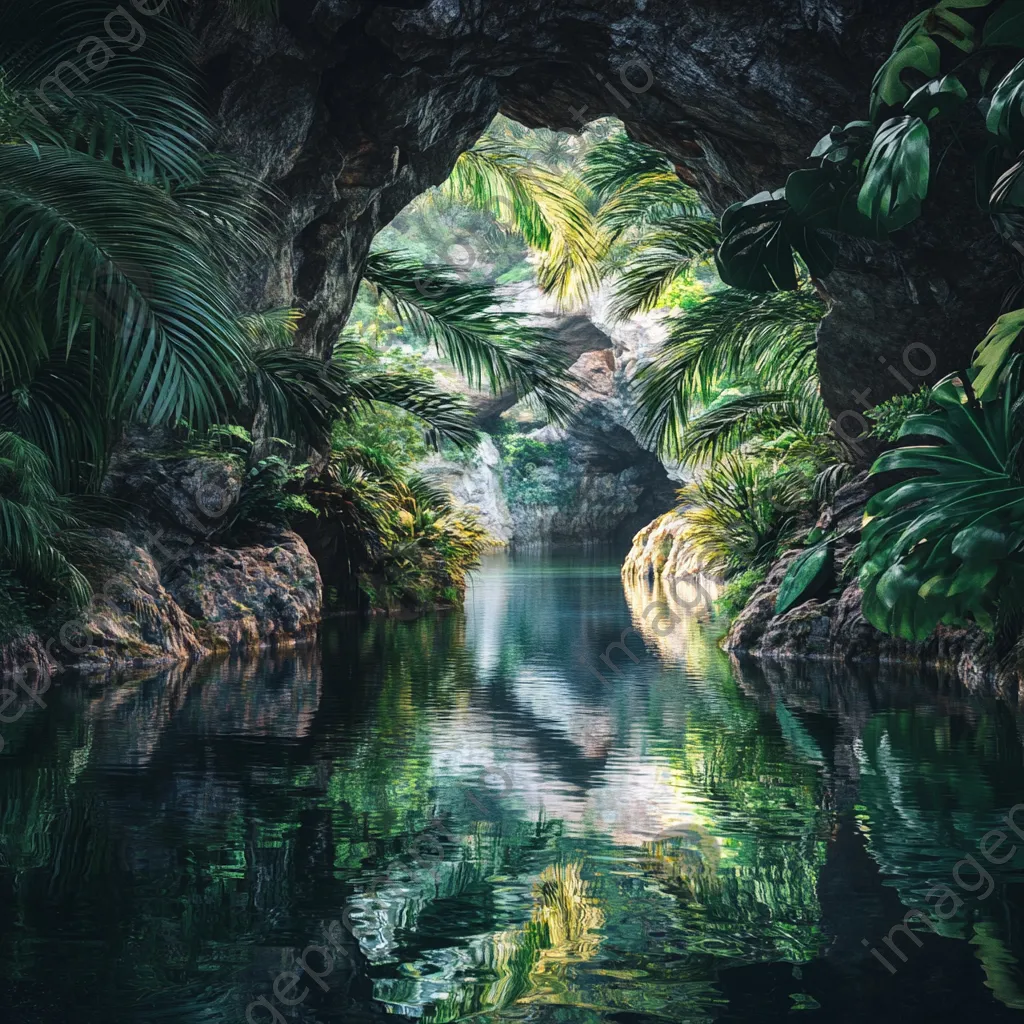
(536, 472)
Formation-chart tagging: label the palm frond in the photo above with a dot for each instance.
(662, 256)
(298, 396)
(273, 328)
(649, 199)
(493, 178)
(614, 161)
(114, 255)
(229, 211)
(62, 407)
(142, 111)
(732, 336)
(444, 412)
(548, 210)
(733, 421)
(740, 514)
(35, 522)
(484, 344)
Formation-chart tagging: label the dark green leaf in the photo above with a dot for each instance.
(896, 174)
(760, 239)
(1005, 117)
(1005, 27)
(809, 574)
(939, 98)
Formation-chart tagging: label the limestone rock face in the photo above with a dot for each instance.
(266, 592)
(351, 109)
(476, 482)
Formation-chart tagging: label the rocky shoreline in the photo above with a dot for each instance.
(833, 629)
(169, 588)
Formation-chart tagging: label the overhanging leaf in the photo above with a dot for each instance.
(760, 238)
(917, 49)
(1005, 27)
(896, 173)
(938, 98)
(1005, 117)
(991, 355)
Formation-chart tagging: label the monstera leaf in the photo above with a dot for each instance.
(1005, 116)
(943, 545)
(917, 49)
(1006, 26)
(897, 171)
(939, 98)
(992, 356)
(760, 237)
(811, 572)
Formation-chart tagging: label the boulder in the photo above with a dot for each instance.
(269, 592)
(190, 494)
(132, 619)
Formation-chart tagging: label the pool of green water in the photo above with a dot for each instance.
(562, 804)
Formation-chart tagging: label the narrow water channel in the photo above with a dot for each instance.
(501, 814)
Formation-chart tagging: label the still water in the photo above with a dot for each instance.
(472, 815)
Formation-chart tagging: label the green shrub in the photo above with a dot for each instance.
(739, 590)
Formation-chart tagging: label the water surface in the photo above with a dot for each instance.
(501, 814)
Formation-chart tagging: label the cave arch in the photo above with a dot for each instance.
(353, 108)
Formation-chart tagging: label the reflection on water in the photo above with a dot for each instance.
(508, 826)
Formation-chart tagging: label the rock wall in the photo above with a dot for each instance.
(476, 482)
(610, 483)
(351, 108)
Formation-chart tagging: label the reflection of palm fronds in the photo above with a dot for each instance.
(571, 914)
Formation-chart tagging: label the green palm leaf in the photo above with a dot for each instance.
(484, 344)
(35, 522)
(732, 336)
(140, 108)
(548, 210)
(672, 251)
(117, 255)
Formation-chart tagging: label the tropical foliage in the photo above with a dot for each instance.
(732, 394)
(943, 545)
(947, 545)
(119, 305)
